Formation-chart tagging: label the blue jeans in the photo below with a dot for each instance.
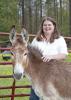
(33, 95)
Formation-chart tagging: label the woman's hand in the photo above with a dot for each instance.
(47, 58)
(43, 38)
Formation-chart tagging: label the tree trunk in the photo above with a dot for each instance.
(40, 10)
(23, 22)
(70, 17)
(55, 9)
(30, 17)
(61, 13)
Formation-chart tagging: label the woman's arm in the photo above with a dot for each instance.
(61, 49)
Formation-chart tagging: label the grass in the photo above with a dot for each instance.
(8, 70)
(68, 58)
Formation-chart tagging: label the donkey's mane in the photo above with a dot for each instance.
(35, 52)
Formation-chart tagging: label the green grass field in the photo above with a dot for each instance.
(8, 70)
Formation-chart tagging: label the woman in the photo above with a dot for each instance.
(50, 43)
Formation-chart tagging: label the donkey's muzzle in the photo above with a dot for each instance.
(18, 76)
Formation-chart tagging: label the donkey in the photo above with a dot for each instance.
(50, 80)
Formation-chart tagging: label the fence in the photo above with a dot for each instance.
(13, 87)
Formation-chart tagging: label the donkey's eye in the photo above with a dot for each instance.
(25, 53)
(12, 52)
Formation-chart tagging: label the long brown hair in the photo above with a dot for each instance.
(55, 34)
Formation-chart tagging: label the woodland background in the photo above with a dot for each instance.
(29, 13)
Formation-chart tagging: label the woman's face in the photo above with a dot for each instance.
(48, 27)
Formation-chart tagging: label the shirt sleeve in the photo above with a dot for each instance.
(62, 46)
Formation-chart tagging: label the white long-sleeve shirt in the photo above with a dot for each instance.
(47, 48)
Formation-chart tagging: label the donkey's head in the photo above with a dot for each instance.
(19, 51)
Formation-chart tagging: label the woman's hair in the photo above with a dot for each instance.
(55, 34)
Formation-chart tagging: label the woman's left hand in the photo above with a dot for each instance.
(47, 58)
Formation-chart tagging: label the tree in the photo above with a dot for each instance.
(70, 17)
(8, 14)
(30, 16)
(61, 12)
(23, 21)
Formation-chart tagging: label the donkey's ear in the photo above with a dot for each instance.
(24, 34)
(12, 35)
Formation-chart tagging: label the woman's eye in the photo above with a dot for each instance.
(44, 25)
(49, 24)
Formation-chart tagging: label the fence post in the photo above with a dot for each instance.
(13, 90)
